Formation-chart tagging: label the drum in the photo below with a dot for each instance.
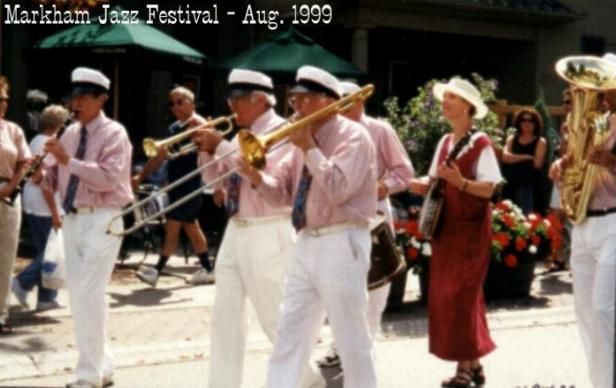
(386, 262)
(151, 207)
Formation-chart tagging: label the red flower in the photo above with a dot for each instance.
(411, 228)
(520, 243)
(502, 206)
(502, 239)
(511, 261)
(508, 221)
(535, 240)
(555, 222)
(412, 253)
(396, 225)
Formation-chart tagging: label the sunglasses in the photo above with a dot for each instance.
(4, 99)
(179, 102)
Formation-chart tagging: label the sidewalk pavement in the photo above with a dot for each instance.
(160, 339)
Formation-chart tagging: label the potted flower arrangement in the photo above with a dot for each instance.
(517, 243)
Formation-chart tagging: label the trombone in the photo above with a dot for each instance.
(153, 147)
(253, 149)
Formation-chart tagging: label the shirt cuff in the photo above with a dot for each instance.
(73, 165)
(223, 148)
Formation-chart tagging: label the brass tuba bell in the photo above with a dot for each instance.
(589, 76)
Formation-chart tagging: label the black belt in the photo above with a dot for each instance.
(600, 212)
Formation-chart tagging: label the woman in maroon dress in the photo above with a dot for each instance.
(458, 329)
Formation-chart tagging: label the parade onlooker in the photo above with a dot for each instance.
(13, 156)
(36, 100)
(182, 105)
(523, 158)
(458, 329)
(42, 211)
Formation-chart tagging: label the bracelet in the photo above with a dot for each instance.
(465, 184)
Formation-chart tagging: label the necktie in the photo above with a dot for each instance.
(233, 195)
(298, 216)
(73, 180)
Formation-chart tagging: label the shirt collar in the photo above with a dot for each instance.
(95, 123)
(260, 125)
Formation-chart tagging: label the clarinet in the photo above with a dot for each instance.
(36, 163)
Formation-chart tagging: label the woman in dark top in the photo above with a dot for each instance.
(523, 160)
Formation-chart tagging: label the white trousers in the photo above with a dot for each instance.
(10, 222)
(593, 265)
(251, 264)
(325, 273)
(90, 257)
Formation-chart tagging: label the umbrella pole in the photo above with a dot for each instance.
(116, 87)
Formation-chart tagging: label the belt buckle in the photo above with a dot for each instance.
(240, 223)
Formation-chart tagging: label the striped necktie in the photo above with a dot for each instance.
(73, 180)
(298, 216)
(233, 195)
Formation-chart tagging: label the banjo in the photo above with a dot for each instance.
(433, 203)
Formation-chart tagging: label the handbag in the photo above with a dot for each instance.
(53, 273)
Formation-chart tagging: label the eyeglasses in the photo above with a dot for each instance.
(4, 99)
(236, 99)
(179, 102)
(304, 99)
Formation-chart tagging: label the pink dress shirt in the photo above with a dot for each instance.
(13, 148)
(251, 203)
(343, 168)
(104, 172)
(604, 195)
(392, 162)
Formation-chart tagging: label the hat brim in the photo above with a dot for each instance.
(481, 109)
(82, 89)
(305, 86)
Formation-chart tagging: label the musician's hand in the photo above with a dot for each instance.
(56, 221)
(55, 147)
(207, 139)
(382, 191)
(451, 173)
(419, 186)
(249, 172)
(302, 138)
(601, 157)
(557, 168)
(196, 121)
(219, 197)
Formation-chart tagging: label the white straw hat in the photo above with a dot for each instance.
(464, 89)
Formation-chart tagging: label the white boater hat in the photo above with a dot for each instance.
(464, 89)
(316, 80)
(89, 81)
(242, 82)
(347, 87)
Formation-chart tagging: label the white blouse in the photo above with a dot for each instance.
(486, 169)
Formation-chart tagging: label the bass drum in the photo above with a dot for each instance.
(386, 261)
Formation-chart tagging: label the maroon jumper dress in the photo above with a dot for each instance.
(458, 329)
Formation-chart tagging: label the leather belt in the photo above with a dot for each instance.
(600, 212)
(245, 222)
(83, 210)
(317, 232)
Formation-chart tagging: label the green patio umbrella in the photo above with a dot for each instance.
(118, 38)
(285, 52)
